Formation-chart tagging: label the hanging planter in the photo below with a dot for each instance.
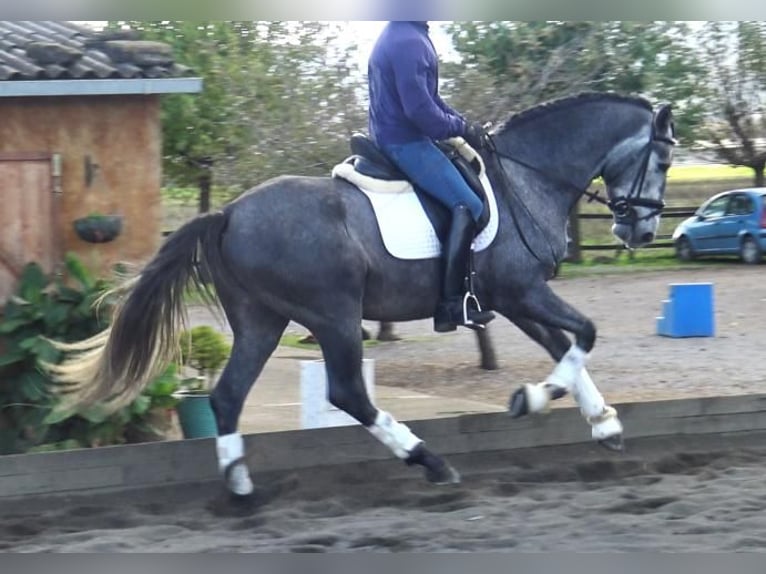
(97, 228)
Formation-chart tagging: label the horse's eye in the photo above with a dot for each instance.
(663, 167)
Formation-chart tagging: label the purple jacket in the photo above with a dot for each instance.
(403, 76)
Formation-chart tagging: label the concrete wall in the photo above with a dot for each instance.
(112, 469)
(122, 136)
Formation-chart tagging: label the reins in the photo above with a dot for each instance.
(507, 185)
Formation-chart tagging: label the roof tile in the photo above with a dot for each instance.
(56, 50)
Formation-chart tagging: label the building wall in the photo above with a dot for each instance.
(121, 136)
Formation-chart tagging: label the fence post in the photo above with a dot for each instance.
(574, 253)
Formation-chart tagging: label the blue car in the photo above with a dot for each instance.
(729, 223)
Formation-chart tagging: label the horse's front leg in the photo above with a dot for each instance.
(545, 316)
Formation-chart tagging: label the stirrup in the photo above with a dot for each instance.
(467, 322)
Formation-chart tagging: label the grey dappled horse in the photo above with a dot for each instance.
(308, 249)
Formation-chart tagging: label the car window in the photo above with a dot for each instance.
(716, 208)
(740, 204)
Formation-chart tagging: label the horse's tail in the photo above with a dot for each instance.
(114, 366)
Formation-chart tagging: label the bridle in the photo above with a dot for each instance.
(624, 207)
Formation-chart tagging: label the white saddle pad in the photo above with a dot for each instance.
(407, 232)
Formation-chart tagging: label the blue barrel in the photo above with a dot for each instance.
(196, 416)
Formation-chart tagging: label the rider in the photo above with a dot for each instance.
(406, 115)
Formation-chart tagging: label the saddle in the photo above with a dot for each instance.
(369, 160)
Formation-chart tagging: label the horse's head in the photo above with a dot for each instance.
(634, 174)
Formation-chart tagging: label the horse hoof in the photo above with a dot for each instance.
(613, 443)
(437, 470)
(445, 474)
(517, 406)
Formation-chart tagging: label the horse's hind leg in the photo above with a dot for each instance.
(255, 338)
(342, 350)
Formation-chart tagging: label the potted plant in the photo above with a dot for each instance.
(204, 352)
(98, 228)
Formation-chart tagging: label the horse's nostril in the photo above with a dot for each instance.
(647, 237)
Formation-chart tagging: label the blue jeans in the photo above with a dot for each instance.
(433, 172)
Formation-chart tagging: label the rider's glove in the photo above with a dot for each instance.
(475, 135)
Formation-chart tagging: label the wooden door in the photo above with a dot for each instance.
(27, 215)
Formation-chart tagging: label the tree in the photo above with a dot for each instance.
(303, 104)
(735, 130)
(508, 66)
(277, 98)
(197, 129)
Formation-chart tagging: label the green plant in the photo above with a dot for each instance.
(45, 309)
(41, 309)
(206, 351)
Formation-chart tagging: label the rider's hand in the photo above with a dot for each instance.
(475, 135)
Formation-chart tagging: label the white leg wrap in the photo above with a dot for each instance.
(538, 397)
(567, 372)
(587, 396)
(395, 435)
(229, 448)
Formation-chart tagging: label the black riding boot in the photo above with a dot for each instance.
(457, 306)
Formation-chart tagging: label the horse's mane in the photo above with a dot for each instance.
(515, 119)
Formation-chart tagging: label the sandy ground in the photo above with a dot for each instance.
(660, 496)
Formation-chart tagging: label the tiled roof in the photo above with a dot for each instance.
(57, 50)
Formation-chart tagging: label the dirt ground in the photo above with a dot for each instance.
(630, 361)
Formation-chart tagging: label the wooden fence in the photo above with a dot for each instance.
(677, 425)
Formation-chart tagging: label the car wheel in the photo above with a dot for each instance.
(684, 249)
(749, 251)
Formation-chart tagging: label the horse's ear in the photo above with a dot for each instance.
(663, 120)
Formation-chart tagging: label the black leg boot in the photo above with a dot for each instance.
(455, 308)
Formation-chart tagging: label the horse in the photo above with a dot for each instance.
(309, 249)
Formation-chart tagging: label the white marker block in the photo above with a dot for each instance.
(316, 410)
